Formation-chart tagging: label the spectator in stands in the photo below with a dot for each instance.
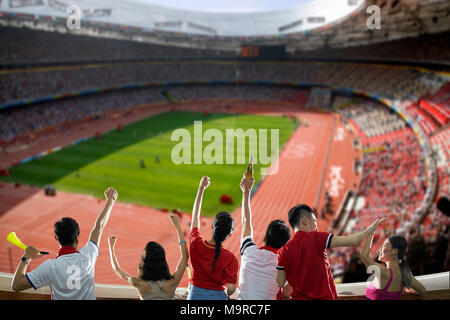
(393, 274)
(257, 277)
(154, 281)
(214, 268)
(303, 261)
(71, 275)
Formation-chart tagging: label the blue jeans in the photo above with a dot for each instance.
(197, 293)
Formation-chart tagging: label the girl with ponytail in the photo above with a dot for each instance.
(214, 268)
(394, 274)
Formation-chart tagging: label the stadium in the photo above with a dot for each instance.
(361, 114)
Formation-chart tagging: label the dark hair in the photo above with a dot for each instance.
(277, 234)
(297, 212)
(400, 243)
(223, 226)
(66, 230)
(153, 266)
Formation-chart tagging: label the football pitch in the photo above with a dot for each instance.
(114, 160)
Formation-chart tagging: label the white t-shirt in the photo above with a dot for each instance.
(70, 276)
(258, 273)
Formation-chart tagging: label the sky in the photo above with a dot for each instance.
(228, 5)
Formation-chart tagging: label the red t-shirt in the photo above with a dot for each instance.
(305, 262)
(202, 257)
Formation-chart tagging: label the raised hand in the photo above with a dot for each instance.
(204, 183)
(111, 194)
(246, 184)
(112, 241)
(175, 219)
(371, 229)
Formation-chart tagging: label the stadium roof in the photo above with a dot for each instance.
(308, 14)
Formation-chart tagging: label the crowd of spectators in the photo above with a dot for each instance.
(440, 144)
(393, 184)
(20, 121)
(371, 117)
(427, 48)
(48, 47)
(426, 123)
(389, 83)
(30, 119)
(21, 46)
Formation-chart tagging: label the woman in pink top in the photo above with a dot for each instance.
(392, 276)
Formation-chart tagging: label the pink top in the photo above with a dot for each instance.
(376, 294)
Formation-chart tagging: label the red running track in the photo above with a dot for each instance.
(309, 154)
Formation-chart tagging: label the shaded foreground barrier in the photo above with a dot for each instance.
(437, 285)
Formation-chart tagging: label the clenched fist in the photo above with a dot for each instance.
(204, 183)
(111, 194)
(246, 184)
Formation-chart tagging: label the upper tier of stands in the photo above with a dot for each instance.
(425, 48)
(25, 46)
(22, 46)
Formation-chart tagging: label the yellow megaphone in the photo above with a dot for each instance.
(14, 239)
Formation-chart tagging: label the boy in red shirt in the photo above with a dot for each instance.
(303, 261)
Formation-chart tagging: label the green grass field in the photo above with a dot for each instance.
(91, 166)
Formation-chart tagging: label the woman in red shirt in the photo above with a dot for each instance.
(214, 269)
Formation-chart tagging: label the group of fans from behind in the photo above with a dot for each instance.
(285, 267)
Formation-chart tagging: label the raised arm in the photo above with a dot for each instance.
(246, 215)
(356, 238)
(103, 217)
(184, 253)
(204, 183)
(364, 255)
(373, 267)
(122, 274)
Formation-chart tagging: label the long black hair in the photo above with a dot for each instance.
(400, 243)
(153, 266)
(223, 226)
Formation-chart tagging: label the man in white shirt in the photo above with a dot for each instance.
(257, 276)
(71, 275)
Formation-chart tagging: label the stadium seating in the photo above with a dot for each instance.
(389, 83)
(393, 180)
(441, 146)
(437, 104)
(427, 48)
(24, 85)
(372, 118)
(22, 121)
(427, 124)
(47, 47)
